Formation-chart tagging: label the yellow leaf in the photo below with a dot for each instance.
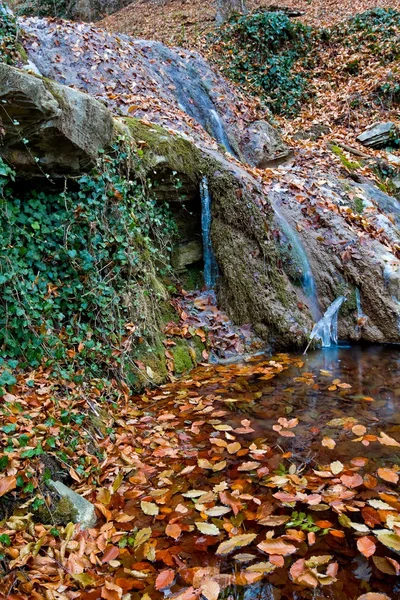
(149, 508)
(207, 528)
(237, 541)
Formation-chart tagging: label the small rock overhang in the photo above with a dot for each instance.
(47, 129)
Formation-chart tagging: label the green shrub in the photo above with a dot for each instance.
(77, 268)
(8, 36)
(263, 50)
(48, 8)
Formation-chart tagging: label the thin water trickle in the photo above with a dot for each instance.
(326, 330)
(210, 264)
(307, 278)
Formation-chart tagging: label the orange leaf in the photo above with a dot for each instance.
(370, 482)
(328, 442)
(352, 481)
(173, 531)
(277, 547)
(388, 475)
(164, 579)
(7, 484)
(366, 546)
(337, 533)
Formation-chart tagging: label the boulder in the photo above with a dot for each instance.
(262, 145)
(83, 510)
(49, 129)
(378, 135)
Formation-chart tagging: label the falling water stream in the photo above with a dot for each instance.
(210, 265)
(307, 278)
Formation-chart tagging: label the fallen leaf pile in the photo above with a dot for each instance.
(223, 479)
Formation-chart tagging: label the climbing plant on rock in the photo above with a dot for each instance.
(78, 266)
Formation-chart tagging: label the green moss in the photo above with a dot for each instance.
(161, 148)
(351, 166)
(198, 347)
(192, 279)
(62, 513)
(152, 356)
(182, 359)
(359, 205)
(345, 289)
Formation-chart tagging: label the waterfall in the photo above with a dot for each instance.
(210, 265)
(326, 330)
(307, 278)
(219, 132)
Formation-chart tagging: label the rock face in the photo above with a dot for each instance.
(169, 86)
(49, 129)
(378, 135)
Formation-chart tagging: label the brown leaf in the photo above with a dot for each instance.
(110, 553)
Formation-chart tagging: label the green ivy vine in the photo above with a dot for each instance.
(77, 266)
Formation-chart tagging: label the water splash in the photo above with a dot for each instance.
(307, 278)
(326, 330)
(210, 264)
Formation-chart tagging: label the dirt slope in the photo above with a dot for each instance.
(182, 22)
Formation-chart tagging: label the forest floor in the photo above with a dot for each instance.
(223, 480)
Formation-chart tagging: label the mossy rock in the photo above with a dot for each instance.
(162, 149)
(183, 356)
(61, 512)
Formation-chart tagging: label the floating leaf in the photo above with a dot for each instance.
(207, 528)
(373, 596)
(237, 541)
(210, 589)
(336, 467)
(388, 475)
(388, 441)
(217, 511)
(366, 546)
(173, 530)
(389, 539)
(278, 546)
(328, 442)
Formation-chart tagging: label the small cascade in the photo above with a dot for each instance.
(210, 264)
(326, 330)
(307, 278)
(219, 132)
(361, 316)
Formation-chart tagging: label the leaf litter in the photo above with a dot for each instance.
(176, 510)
